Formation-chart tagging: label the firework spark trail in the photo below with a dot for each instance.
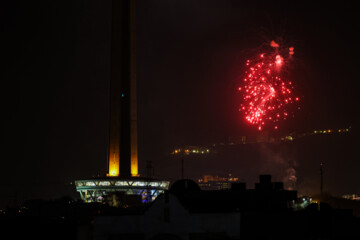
(267, 93)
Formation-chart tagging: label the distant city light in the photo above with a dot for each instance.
(202, 150)
(191, 150)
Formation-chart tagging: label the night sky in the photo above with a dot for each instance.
(191, 55)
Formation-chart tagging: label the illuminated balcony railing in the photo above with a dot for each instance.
(95, 190)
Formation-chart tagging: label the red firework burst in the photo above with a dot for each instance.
(267, 91)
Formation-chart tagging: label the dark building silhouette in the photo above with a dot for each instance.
(187, 212)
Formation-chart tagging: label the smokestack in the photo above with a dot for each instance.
(122, 153)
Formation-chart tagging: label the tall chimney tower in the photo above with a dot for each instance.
(123, 151)
(122, 175)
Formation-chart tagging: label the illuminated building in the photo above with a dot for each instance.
(352, 197)
(210, 182)
(122, 157)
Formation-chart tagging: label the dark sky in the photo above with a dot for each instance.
(190, 56)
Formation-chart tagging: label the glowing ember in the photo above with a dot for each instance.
(267, 93)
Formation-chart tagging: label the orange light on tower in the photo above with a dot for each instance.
(113, 166)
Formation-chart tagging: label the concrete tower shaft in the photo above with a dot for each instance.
(122, 153)
(133, 109)
(122, 176)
